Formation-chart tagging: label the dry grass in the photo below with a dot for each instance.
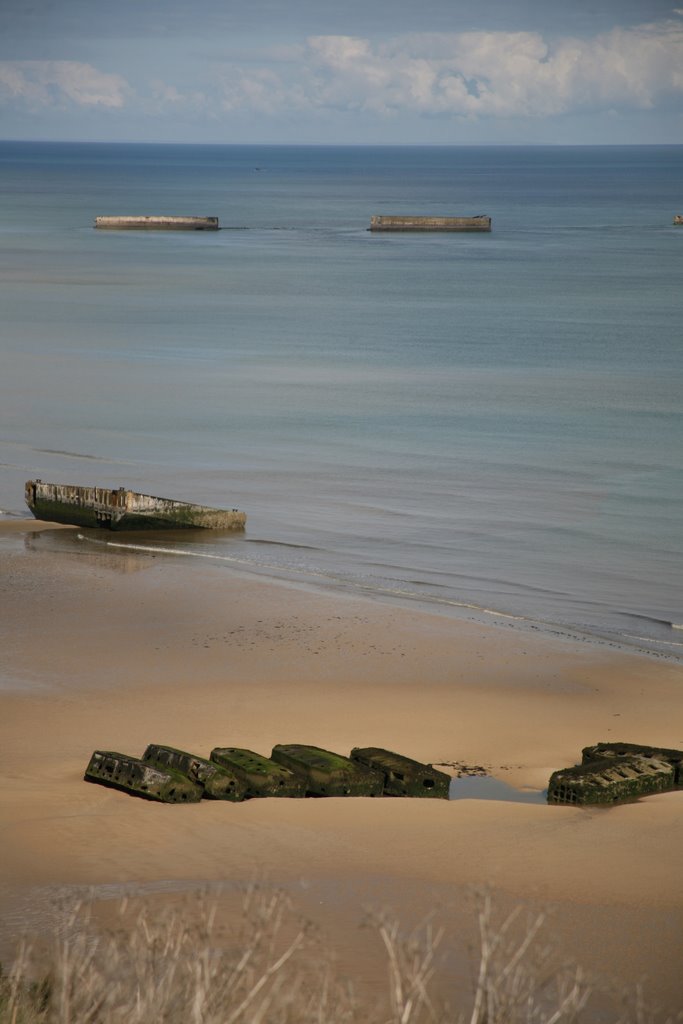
(269, 968)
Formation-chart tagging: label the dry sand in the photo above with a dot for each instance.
(113, 650)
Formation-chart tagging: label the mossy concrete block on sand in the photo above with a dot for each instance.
(610, 780)
(216, 782)
(602, 750)
(261, 776)
(135, 776)
(402, 775)
(326, 773)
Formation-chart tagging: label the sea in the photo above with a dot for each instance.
(489, 425)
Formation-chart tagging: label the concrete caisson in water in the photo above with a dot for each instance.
(415, 223)
(119, 509)
(157, 223)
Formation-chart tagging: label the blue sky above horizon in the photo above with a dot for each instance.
(357, 72)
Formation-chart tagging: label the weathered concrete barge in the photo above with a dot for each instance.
(216, 783)
(614, 772)
(261, 776)
(109, 768)
(158, 223)
(603, 751)
(326, 773)
(610, 780)
(123, 510)
(411, 223)
(403, 776)
(293, 770)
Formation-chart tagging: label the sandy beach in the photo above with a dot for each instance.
(107, 649)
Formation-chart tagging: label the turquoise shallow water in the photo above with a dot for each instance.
(481, 421)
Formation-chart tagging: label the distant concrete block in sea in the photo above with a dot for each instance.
(413, 223)
(158, 223)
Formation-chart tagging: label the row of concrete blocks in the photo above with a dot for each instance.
(293, 769)
(612, 773)
(381, 223)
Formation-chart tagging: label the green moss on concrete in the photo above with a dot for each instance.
(610, 780)
(262, 776)
(130, 774)
(326, 773)
(217, 783)
(402, 775)
(613, 749)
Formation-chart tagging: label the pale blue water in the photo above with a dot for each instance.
(476, 421)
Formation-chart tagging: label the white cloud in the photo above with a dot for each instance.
(471, 74)
(50, 83)
(167, 99)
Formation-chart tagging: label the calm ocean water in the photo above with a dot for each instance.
(476, 422)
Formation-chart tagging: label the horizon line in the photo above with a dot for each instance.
(355, 145)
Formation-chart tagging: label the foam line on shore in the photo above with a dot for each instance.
(394, 592)
(317, 573)
(645, 639)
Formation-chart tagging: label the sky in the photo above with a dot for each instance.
(352, 72)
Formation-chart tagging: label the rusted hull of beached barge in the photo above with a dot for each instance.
(123, 510)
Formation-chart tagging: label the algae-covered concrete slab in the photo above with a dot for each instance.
(612, 749)
(134, 776)
(402, 775)
(217, 783)
(261, 776)
(610, 781)
(326, 773)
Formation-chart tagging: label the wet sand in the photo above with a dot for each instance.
(113, 650)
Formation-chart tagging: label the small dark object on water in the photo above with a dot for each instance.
(261, 776)
(402, 775)
(326, 773)
(134, 776)
(217, 783)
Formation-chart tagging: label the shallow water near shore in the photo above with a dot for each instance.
(486, 787)
(487, 424)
